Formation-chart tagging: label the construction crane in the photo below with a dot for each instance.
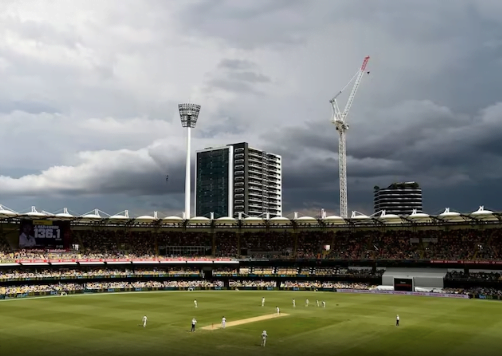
(340, 121)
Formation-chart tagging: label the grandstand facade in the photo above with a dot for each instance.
(448, 255)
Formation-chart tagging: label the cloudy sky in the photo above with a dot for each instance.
(89, 92)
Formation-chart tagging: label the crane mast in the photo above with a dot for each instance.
(340, 121)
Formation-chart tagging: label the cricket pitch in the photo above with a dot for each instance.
(244, 321)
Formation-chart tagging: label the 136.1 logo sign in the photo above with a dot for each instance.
(47, 232)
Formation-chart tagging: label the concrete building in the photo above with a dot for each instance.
(237, 179)
(398, 198)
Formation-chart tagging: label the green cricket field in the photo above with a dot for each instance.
(351, 324)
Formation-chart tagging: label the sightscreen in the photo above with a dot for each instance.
(44, 234)
(403, 284)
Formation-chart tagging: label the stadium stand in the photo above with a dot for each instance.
(351, 256)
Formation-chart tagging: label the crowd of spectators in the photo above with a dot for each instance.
(350, 244)
(328, 285)
(13, 274)
(71, 287)
(481, 276)
(68, 273)
(250, 283)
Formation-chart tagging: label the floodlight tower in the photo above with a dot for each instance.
(340, 121)
(189, 113)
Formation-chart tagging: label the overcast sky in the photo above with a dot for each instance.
(89, 93)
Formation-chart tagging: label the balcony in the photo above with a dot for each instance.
(256, 159)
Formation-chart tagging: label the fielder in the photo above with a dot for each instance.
(264, 338)
(307, 303)
(277, 310)
(317, 301)
(323, 304)
(144, 321)
(294, 303)
(193, 325)
(397, 320)
(223, 322)
(195, 302)
(263, 301)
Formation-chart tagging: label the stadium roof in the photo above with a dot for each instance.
(357, 218)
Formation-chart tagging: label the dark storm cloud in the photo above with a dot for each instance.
(236, 76)
(434, 146)
(250, 24)
(7, 107)
(231, 86)
(428, 113)
(236, 64)
(250, 77)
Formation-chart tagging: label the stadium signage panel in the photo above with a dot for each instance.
(44, 234)
(108, 261)
(468, 262)
(423, 294)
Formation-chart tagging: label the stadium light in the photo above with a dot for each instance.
(189, 114)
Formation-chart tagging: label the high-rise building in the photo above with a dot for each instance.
(237, 179)
(398, 198)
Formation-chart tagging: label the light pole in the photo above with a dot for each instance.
(189, 113)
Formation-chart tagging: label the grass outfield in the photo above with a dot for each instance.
(109, 324)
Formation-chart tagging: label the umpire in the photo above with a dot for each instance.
(193, 325)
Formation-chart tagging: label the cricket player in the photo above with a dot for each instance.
(307, 303)
(223, 322)
(144, 321)
(323, 304)
(294, 303)
(195, 302)
(277, 310)
(397, 320)
(264, 338)
(263, 301)
(193, 325)
(317, 301)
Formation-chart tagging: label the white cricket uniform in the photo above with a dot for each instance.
(223, 322)
(264, 338)
(144, 321)
(262, 302)
(278, 310)
(317, 303)
(195, 303)
(294, 303)
(323, 304)
(307, 303)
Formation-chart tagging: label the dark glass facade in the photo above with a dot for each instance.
(212, 183)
